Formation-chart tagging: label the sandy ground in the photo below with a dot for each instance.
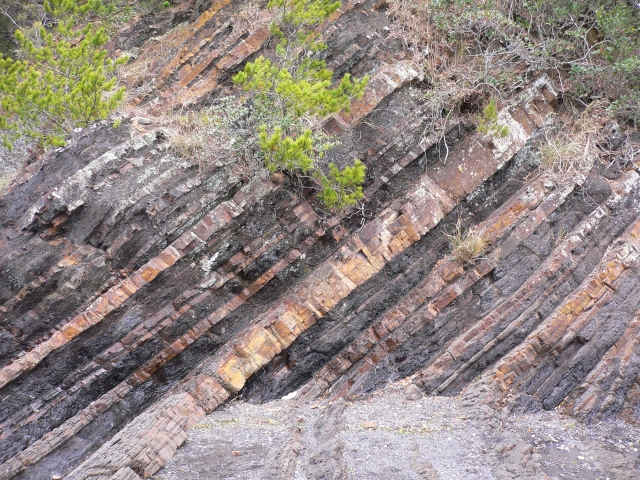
(400, 434)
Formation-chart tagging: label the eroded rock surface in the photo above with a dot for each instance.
(141, 291)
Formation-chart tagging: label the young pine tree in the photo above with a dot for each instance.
(63, 80)
(342, 187)
(295, 87)
(488, 123)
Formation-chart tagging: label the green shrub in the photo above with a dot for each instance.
(286, 153)
(63, 81)
(306, 91)
(304, 12)
(342, 187)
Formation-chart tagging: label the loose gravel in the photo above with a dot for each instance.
(400, 434)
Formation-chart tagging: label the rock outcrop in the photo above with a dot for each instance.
(141, 291)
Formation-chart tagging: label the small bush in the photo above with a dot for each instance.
(342, 187)
(286, 153)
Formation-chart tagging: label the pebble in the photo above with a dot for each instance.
(413, 393)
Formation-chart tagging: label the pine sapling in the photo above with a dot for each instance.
(64, 81)
(488, 123)
(296, 87)
(342, 187)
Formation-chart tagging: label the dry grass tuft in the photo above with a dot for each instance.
(193, 137)
(136, 73)
(562, 159)
(568, 153)
(466, 247)
(12, 161)
(5, 181)
(250, 16)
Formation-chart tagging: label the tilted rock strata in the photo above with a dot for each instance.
(164, 211)
(443, 285)
(140, 292)
(349, 261)
(361, 257)
(600, 315)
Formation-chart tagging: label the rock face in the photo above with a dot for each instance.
(141, 291)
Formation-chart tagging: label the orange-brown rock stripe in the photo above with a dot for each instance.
(187, 34)
(204, 325)
(103, 305)
(183, 94)
(166, 316)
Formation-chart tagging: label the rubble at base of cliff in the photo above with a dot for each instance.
(394, 433)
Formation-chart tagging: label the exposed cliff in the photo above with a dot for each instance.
(142, 290)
